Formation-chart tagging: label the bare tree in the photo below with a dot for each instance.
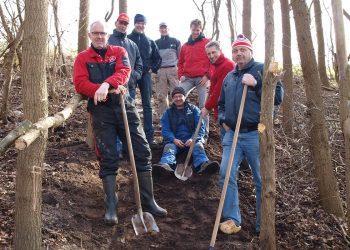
(83, 41)
(267, 146)
(230, 19)
(344, 89)
(320, 44)
(110, 13)
(288, 106)
(247, 19)
(35, 106)
(123, 6)
(327, 183)
(216, 9)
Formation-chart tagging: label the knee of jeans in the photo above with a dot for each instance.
(199, 147)
(169, 148)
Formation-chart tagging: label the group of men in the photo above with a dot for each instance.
(105, 73)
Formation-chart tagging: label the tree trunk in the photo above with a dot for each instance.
(327, 183)
(29, 168)
(83, 40)
(216, 10)
(288, 106)
(344, 88)
(320, 44)
(123, 6)
(267, 147)
(247, 19)
(230, 20)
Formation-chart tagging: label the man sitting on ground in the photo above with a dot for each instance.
(179, 123)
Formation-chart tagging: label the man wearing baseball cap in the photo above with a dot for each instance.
(169, 50)
(247, 72)
(119, 38)
(178, 127)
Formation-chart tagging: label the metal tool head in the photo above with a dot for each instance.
(183, 172)
(144, 223)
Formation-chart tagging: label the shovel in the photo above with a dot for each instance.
(182, 171)
(142, 222)
(228, 170)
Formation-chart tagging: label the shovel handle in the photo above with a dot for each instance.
(228, 170)
(188, 157)
(132, 158)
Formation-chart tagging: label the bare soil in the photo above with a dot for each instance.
(72, 196)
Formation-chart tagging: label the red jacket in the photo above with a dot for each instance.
(193, 60)
(91, 70)
(222, 65)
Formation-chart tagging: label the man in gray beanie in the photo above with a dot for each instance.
(151, 63)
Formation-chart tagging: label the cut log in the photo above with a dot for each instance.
(52, 121)
(21, 129)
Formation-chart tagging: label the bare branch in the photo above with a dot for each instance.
(109, 14)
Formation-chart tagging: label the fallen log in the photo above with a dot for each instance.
(21, 129)
(49, 122)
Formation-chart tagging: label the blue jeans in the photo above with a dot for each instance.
(247, 147)
(145, 86)
(171, 150)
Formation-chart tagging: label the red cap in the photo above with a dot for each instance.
(243, 42)
(123, 17)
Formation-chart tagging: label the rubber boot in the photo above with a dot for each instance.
(111, 200)
(146, 194)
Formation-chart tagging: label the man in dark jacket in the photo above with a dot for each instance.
(247, 72)
(169, 50)
(151, 61)
(178, 126)
(119, 38)
(194, 68)
(100, 73)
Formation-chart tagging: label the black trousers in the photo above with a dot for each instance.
(107, 122)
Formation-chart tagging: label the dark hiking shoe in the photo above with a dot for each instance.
(212, 165)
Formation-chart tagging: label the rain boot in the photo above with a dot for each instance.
(111, 200)
(146, 194)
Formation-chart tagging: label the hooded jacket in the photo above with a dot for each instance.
(148, 50)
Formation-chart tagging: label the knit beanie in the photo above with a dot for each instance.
(243, 42)
(139, 18)
(178, 90)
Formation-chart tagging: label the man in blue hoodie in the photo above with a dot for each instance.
(247, 72)
(151, 62)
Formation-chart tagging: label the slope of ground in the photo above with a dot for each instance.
(72, 209)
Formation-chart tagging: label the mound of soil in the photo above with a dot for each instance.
(73, 205)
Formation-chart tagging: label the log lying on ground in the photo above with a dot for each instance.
(21, 129)
(52, 121)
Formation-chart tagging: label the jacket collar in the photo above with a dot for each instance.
(220, 60)
(199, 38)
(249, 65)
(119, 34)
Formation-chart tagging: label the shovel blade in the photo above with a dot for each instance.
(182, 172)
(147, 224)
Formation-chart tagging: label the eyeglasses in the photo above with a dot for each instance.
(95, 33)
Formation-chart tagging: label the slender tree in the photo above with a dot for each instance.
(320, 44)
(288, 107)
(247, 19)
(327, 183)
(344, 89)
(30, 161)
(230, 20)
(83, 40)
(216, 10)
(123, 6)
(267, 147)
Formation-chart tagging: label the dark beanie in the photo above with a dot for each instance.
(139, 18)
(178, 90)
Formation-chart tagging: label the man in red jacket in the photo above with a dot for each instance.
(194, 69)
(101, 73)
(222, 66)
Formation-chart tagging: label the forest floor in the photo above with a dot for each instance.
(72, 196)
